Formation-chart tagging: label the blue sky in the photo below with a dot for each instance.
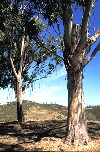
(54, 88)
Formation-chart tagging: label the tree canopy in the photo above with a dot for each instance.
(20, 18)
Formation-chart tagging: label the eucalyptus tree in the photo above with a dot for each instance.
(76, 48)
(23, 45)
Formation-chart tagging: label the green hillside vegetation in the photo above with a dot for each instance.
(34, 111)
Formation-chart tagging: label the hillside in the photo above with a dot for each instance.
(44, 128)
(34, 111)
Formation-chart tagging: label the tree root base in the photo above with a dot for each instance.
(77, 141)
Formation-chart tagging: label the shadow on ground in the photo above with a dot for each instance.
(28, 132)
(13, 135)
(94, 130)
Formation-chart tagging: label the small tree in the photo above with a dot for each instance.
(23, 47)
(77, 45)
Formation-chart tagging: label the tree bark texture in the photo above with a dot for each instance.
(77, 45)
(77, 126)
(20, 116)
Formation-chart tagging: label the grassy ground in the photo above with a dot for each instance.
(43, 129)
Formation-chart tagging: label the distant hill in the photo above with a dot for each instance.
(93, 113)
(35, 111)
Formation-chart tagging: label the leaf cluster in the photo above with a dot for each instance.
(50, 9)
(21, 18)
(53, 10)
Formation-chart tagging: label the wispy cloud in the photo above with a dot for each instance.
(51, 90)
(47, 95)
(59, 73)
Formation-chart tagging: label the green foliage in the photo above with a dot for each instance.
(50, 9)
(21, 18)
(53, 10)
(5, 72)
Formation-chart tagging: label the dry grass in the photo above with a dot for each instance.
(36, 113)
(43, 136)
(43, 130)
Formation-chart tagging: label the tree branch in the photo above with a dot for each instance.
(94, 38)
(67, 22)
(58, 33)
(55, 54)
(85, 47)
(22, 53)
(91, 41)
(13, 67)
(74, 37)
(86, 61)
(51, 51)
(85, 20)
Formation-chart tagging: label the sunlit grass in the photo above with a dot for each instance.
(8, 111)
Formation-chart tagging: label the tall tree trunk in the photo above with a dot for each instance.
(20, 116)
(77, 126)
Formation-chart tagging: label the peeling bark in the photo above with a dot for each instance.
(77, 127)
(76, 47)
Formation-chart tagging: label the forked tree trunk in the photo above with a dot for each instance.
(20, 116)
(18, 89)
(77, 126)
